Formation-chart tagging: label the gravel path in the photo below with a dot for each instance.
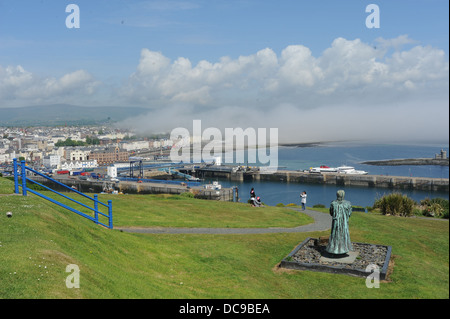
(322, 221)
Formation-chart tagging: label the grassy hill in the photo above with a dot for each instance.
(41, 239)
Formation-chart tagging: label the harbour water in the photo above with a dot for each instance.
(351, 154)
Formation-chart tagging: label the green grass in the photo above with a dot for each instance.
(41, 239)
(179, 211)
(6, 186)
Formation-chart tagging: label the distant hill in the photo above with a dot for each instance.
(62, 114)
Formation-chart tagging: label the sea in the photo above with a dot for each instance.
(349, 154)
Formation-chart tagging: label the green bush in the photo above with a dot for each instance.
(187, 195)
(436, 207)
(395, 204)
(280, 205)
(291, 205)
(319, 206)
(35, 187)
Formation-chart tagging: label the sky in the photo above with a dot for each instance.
(315, 70)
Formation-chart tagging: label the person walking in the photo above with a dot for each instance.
(303, 200)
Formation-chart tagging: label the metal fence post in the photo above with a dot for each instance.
(24, 179)
(110, 214)
(16, 177)
(96, 208)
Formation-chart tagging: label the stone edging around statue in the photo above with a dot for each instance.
(311, 255)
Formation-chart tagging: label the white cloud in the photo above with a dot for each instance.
(395, 43)
(351, 89)
(352, 84)
(18, 86)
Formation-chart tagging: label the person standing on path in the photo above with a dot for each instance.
(303, 201)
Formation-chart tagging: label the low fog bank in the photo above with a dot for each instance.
(412, 121)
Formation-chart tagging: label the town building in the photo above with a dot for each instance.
(441, 155)
(109, 155)
(77, 154)
(52, 161)
(74, 165)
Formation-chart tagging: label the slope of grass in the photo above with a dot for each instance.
(41, 239)
(179, 211)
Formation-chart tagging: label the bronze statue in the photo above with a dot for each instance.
(340, 211)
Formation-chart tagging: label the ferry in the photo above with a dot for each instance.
(350, 170)
(322, 169)
(339, 170)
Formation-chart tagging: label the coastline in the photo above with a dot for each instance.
(409, 161)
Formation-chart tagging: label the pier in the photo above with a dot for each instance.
(381, 181)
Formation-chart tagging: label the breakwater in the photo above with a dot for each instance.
(375, 181)
(394, 182)
(410, 161)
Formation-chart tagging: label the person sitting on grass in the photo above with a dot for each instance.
(257, 202)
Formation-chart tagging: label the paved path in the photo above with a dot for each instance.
(322, 221)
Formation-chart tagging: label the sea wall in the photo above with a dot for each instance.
(410, 161)
(225, 194)
(394, 182)
(381, 181)
(93, 186)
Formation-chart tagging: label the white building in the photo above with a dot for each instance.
(71, 165)
(57, 138)
(112, 171)
(4, 158)
(133, 146)
(73, 154)
(52, 161)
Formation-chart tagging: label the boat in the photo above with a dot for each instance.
(340, 170)
(350, 170)
(322, 169)
(215, 186)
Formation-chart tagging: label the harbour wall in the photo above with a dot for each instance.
(93, 186)
(381, 181)
(375, 181)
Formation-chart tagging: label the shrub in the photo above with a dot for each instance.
(35, 187)
(433, 210)
(319, 206)
(436, 207)
(187, 194)
(291, 205)
(395, 204)
(279, 205)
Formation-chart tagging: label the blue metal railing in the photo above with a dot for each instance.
(25, 190)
